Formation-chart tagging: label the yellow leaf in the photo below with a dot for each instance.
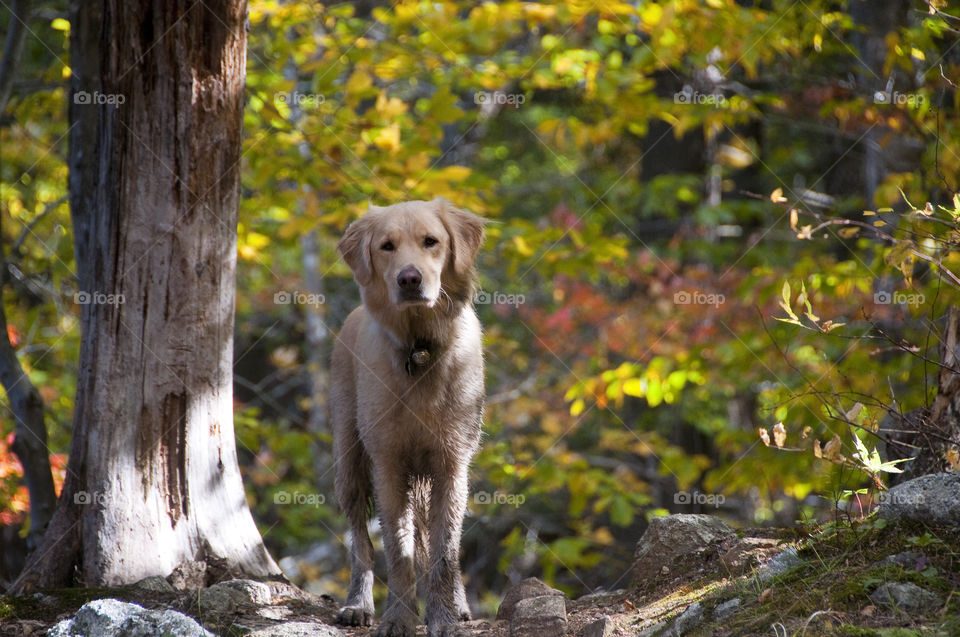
(523, 248)
(849, 232)
(817, 452)
(388, 138)
(577, 407)
(634, 387)
(793, 219)
(390, 108)
(777, 196)
(257, 240)
(59, 24)
(359, 81)
(651, 14)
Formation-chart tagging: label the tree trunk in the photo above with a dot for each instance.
(30, 441)
(928, 434)
(318, 337)
(153, 480)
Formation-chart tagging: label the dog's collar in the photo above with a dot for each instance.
(418, 357)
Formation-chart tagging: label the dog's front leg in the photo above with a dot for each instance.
(446, 599)
(396, 520)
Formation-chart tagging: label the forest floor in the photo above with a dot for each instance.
(832, 586)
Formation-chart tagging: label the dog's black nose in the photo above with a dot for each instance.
(409, 278)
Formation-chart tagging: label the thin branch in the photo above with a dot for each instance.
(28, 228)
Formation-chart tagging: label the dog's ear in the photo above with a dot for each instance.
(354, 247)
(466, 234)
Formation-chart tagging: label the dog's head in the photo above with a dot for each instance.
(412, 253)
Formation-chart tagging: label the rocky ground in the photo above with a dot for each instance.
(896, 574)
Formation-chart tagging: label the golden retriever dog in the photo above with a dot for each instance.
(406, 402)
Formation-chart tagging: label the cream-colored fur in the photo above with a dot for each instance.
(406, 401)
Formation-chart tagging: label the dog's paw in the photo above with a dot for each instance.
(446, 630)
(464, 614)
(354, 616)
(395, 628)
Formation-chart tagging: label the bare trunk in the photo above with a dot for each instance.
(30, 442)
(153, 479)
(928, 434)
(318, 337)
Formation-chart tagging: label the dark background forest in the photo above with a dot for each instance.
(725, 242)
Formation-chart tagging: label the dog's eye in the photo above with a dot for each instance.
(429, 242)
(388, 246)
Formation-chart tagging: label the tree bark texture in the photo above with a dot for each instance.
(153, 480)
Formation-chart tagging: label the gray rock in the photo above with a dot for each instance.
(781, 563)
(906, 559)
(252, 592)
(189, 576)
(297, 629)
(657, 629)
(689, 620)
(155, 584)
(905, 596)
(530, 587)
(931, 499)
(748, 553)
(219, 600)
(603, 627)
(546, 607)
(675, 537)
(114, 618)
(543, 616)
(724, 610)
